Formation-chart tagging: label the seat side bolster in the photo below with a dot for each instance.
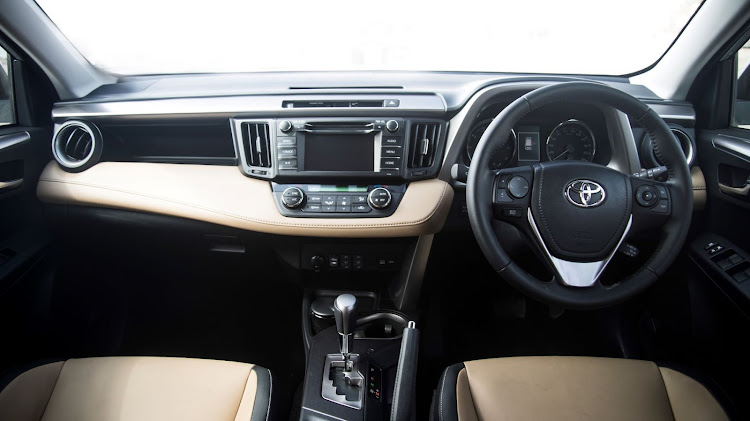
(262, 401)
(26, 397)
(689, 399)
(445, 406)
(465, 403)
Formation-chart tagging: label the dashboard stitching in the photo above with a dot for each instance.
(264, 221)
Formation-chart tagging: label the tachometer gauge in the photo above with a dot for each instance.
(571, 140)
(501, 156)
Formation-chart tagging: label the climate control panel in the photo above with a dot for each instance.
(337, 201)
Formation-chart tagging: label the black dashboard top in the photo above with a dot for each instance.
(455, 88)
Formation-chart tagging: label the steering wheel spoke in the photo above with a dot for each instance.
(511, 194)
(581, 274)
(652, 205)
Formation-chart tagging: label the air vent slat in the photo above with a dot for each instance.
(423, 144)
(257, 143)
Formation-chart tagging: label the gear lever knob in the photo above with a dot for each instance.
(345, 312)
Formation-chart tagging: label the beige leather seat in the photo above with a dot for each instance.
(138, 388)
(570, 388)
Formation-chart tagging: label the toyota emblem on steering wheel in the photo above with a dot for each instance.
(585, 193)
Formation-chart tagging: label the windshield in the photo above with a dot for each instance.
(531, 36)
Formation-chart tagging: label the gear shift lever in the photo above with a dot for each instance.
(345, 312)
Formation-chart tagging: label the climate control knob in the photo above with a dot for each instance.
(285, 126)
(379, 198)
(293, 197)
(391, 125)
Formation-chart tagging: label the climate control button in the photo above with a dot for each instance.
(379, 198)
(293, 197)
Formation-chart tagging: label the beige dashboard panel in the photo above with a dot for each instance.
(222, 195)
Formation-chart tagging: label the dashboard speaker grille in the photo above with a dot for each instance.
(256, 138)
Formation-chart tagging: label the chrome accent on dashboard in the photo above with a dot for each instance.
(265, 105)
(625, 149)
(576, 274)
(13, 139)
(668, 111)
(686, 143)
(734, 145)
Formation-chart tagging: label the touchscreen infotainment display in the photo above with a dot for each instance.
(339, 152)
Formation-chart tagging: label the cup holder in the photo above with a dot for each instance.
(384, 325)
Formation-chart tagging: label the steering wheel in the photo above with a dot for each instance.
(577, 214)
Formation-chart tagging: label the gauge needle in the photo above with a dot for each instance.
(567, 149)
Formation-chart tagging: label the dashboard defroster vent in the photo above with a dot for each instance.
(77, 145)
(256, 138)
(423, 144)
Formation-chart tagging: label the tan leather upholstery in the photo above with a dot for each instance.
(133, 388)
(222, 195)
(699, 188)
(578, 388)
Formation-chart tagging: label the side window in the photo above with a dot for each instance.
(6, 89)
(742, 104)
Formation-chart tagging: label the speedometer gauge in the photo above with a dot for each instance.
(501, 156)
(571, 140)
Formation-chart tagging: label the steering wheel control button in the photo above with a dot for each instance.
(293, 197)
(646, 196)
(380, 198)
(502, 182)
(518, 187)
(662, 192)
(512, 212)
(661, 207)
(501, 196)
(391, 125)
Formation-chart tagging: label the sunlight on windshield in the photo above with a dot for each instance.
(532, 36)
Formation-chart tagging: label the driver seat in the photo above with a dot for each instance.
(570, 388)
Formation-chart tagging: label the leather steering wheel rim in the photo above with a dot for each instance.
(673, 233)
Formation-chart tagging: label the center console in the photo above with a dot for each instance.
(339, 167)
(355, 372)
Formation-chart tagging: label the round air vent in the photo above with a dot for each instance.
(686, 143)
(77, 145)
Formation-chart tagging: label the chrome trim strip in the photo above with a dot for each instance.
(577, 274)
(673, 111)
(270, 105)
(13, 139)
(734, 145)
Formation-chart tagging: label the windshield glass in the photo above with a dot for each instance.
(530, 36)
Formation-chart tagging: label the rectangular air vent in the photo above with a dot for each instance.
(256, 140)
(423, 144)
